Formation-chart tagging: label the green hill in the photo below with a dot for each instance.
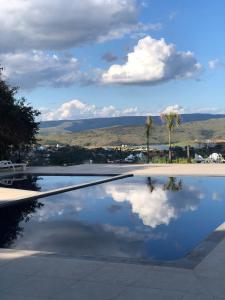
(135, 135)
(63, 126)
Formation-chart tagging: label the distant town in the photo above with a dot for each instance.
(59, 154)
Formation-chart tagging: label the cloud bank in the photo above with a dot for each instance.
(76, 109)
(36, 68)
(176, 108)
(151, 62)
(41, 24)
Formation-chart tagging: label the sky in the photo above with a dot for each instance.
(77, 59)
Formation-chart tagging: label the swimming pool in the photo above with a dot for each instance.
(150, 218)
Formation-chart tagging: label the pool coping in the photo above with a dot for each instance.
(38, 195)
(189, 261)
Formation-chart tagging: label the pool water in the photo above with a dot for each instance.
(44, 183)
(157, 218)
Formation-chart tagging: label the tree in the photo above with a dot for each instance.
(173, 185)
(18, 126)
(148, 127)
(12, 221)
(172, 120)
(70, 155)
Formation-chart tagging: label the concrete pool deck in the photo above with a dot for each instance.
(39, 276)
(136, 169)
(30, 275)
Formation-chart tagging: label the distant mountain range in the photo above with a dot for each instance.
(97, 123)
(130, 130)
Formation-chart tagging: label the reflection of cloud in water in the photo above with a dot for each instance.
(131, 235)
(159, 206)
(78, 238)
(55, 208)
(81, 222)
(67, 203)
(154, 208)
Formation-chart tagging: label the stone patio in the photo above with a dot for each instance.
(28, 275)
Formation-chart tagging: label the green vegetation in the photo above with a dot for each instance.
(18, 128)
(172, 120)
(188, 133)
(69, 155)
(148, 127)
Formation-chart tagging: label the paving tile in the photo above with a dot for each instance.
(90, 291)
(214, 287)
(67, 268)
(122, 274)
(41, 287)
(198, 297)
(148, 294)
(8, 296)
(167, 280)
(211, 261)
(214, 272)
(9, 255)
(10, 280)
(25, 265)
(3, 262)
(171, 269)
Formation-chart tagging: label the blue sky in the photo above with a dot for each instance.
(65, 62)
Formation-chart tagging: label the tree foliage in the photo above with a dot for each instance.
(148, 128)
(70, 155)
(18, 126)
(172, 120)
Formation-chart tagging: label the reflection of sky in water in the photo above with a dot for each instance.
(53, 182)
(45, 183)
(160, 218)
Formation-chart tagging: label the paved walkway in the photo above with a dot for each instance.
(13, 194)
(25, 275)
(138, 169)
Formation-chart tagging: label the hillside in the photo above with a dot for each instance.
(135, 135)
(59, 127)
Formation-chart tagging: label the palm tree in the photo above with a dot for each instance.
(148, 127)
(150, 184)
(172, 119)
(173, 185)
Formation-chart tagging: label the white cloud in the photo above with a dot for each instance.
(36, 68)
(29, 29)
(173, 15)
(203, 110)
(173, 108)
(215, 63)
(58, 24)
(192, 110)
(157, 207)
(76, 109)
(151, 62)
